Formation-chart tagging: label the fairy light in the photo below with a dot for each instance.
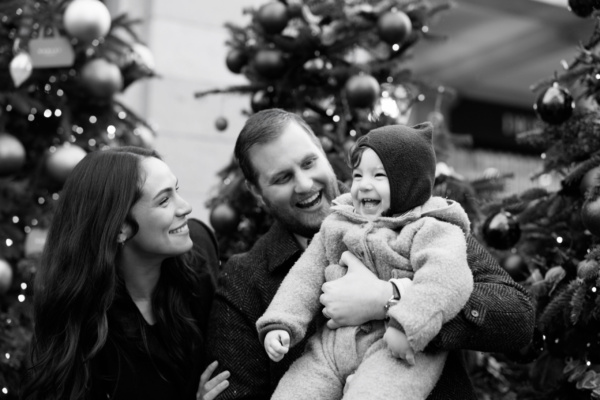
(41, 200)
(23, 286)
(15, 219)
(390, 79)
(93, 119)
(111, 129)
(396, 47)
(329, 112)
(59, 92)
(7, 355)
(4, 390)
(48, 113)
(352, 133)
(421, 97)
(559, 240)
(79, 130)
(588, 363)
(92, 142)
(9, 242)
(95, 42)
(47, 87)
(543, 156)
(122, 114)
(425, 29)
(21, 298)
(336, 118)
(34, 222)
(8, 107)
(52, 79)
(55, 196)
(57, 113)
(27, 229)
(594, 289)
(30, 117)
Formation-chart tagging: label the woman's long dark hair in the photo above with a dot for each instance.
(78, 280)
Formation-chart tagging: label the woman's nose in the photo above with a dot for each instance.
(184, 208)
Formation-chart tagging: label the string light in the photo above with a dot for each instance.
(559, 240)
(8, 107)
(21, 298)
(57, 113)
(336, 118)
(27, 229)
(396, 47)
(23, 285)
(352, 133)
(425, 29)
(594, 289)
(9, 242)
(55, 196)
(93, 119)
(122, 115)
(4, 390)
(30, 117)
(41, 200)
(15, 219)
(48, 113)
(59, 92)
(7, 355)
(92, 142)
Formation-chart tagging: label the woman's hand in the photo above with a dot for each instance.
(210, 388)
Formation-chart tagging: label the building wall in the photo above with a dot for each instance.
(187, 38)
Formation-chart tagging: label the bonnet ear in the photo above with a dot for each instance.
(425, 129)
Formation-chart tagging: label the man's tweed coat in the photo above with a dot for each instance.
(498, 317)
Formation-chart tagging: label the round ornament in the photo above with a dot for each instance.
(581, 8)
(12, 154)
(35, 241)
(394, 27)
(6, 276)
(61, 162)
(87, 20)
(236, 60)
(221, 123)
(270, 63)
(273, 17)
(326, 143)
(501, 231)
(516, 267)
(362, 91)
(590, 216)
(102, 77)
(20, 68)
(261, 100)
(555, 105)
(590, 179)
(224, 219)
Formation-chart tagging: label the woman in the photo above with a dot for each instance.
(121, 302)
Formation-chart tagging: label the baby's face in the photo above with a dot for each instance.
(370, 186)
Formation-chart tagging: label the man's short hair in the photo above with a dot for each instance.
(261, 128)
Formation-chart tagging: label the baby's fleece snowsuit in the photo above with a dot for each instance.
(426, 243)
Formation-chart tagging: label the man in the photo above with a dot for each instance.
(287, 170)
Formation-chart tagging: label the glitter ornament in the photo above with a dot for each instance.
(87, 20)
(12, 154)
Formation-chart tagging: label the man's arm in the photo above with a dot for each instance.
(232, 339)
(499, 316)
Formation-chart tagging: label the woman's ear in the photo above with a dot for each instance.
(124, 233)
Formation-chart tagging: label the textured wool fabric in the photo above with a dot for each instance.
(426, 244)
(408, 157)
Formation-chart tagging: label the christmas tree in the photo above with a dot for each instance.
(549, 240)
(67, 61)
(342, 66)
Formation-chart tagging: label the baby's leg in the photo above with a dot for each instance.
(312, 377)
(382, 376)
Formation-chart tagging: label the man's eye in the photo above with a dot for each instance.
(309, 163)
(281, 180)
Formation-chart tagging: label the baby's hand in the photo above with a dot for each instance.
(277, 344)
(398, 344)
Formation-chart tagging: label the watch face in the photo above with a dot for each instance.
(390, 303)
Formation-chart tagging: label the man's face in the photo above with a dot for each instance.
(294, 180)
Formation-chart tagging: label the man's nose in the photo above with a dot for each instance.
(304, 182)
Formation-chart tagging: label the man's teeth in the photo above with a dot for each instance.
(310, 201)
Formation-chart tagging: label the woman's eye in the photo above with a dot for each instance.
(164, 200)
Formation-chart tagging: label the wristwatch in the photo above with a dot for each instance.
(394, 299)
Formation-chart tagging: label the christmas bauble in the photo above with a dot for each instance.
(590, 216)
(87, 20)
(224, 219)
(326, 143)
(6, 276)
(61, 162)
(555, 105)
(273, 17)
(12, 154)
(270, 63)
(261, 100)
(394, 27)
(221, 123)
(516, 267)
(501, 231)
(362, 91)
(581, 8)
(20, 68)
(35, 241)
(102, 77)
(236, 59)
(590, 180)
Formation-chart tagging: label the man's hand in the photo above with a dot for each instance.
(277, 344)
(357, 297)
(209, 389)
